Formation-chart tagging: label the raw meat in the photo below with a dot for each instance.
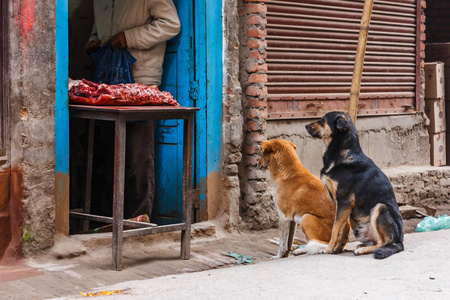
(87, 92)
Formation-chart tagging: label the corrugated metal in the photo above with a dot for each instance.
(311, 47)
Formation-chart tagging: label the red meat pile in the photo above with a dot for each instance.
(87, 92)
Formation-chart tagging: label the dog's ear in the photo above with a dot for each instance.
(293, 145)
(266, 146)
(342, 123)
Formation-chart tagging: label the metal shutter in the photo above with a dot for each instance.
(311, 47)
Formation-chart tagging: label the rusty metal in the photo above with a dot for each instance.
(341, 96)
(308, 13)
(282, 32)
(340, 58)
(120, 115)
(292, 22)
(337, 68)
(305, 79)
(294, 109)
(311, 48)
(420, 103)
(404, 6)
(336, 89)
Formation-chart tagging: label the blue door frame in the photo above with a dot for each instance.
(193, 74)
(208, 67)
(205, 92)
(62, 119)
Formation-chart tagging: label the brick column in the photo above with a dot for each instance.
(257, 205)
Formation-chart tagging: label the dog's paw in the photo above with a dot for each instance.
(338, 249)
(275, 257)
(300, 251)
(359, 251)
(325, 251)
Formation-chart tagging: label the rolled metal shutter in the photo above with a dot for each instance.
(311, 46)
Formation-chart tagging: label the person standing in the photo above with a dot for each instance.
(142, 27)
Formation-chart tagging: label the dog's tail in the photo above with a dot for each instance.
(388, 250)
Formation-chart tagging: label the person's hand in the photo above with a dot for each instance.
(118, 41)
(92, 46)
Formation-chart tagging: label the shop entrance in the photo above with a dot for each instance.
(179, 78)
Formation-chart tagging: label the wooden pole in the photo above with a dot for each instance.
(359, 59)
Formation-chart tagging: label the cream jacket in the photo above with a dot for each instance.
(147, 25)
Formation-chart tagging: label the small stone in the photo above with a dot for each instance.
(408, 211)
(430, 210)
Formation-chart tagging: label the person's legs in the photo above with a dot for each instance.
(139, 170)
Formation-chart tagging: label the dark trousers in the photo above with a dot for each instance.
(139, 167)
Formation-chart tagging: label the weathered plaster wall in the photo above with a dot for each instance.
(388, 141)
(32, 96)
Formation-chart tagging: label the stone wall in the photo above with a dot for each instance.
(233, 120)
(419, 186)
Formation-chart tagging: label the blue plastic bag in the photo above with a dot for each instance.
(113, 65)
(432, 223)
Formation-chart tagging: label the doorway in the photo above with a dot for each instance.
(194, 76)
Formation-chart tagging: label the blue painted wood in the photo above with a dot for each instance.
(62, 71)
(208, 132)
(201, 149)
(177, 76)
(214, 83)
(193, 74)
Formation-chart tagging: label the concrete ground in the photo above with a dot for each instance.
(422, 271)
(58, 274)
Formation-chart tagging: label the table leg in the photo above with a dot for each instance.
(119, 179)
(187, 186)
(88, 181)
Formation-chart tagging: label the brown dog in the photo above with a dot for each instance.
(301, 198)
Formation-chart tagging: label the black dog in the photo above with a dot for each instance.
(360, 189)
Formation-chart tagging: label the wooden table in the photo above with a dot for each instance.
(120, 115)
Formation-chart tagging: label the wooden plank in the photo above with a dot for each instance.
(119, 183)
(109, 220)
(88, 181)
(159, 229)
(187, 186)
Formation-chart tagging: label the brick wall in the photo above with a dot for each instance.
(419, 186)
(257, 209)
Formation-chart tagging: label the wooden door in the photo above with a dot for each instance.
(177, 79)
